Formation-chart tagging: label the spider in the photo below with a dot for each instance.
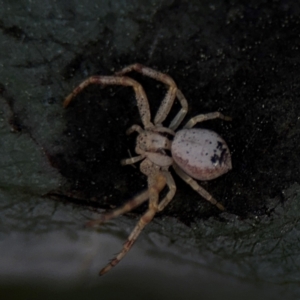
(195, 153)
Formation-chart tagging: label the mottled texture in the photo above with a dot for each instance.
(201, 153)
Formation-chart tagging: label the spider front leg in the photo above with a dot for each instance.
(168, 101)
(142, 101)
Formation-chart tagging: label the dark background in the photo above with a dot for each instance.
(236, 57)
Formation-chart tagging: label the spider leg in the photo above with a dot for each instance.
(142, 101)
(182, 113)
(131, 160)
(144, 220)
(172, 190)
(128, 206)
(204, 117)
(194, 185)
(164, 130)
(155, 185)
(168, 101)
(134, 128)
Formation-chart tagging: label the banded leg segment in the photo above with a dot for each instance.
(172, 190)
(168, 101)
(144, 220)
(195, 186)
(142, 101)
(182, 113)
(132, 160)
(204, 117)
(157, 184)
(128, 206)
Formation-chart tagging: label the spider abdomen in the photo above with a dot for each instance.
(201, 153)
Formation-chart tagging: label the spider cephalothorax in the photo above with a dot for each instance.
(193, 153)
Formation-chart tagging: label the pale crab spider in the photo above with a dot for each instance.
(195, 153)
